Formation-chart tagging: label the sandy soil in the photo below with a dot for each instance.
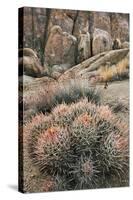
(115, 91)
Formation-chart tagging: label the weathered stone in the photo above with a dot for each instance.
(26, 79)
(84, 47)
(101, 41)
(29, 63)
(90, 66)
(34, 29)
(94, 31)
(60, 18)
(120, 26)
(61, 68)
(28, 33)
(81, 23)
(60, 48)
(102, 21)
(116, 44)
(125, 45)
(71, 13)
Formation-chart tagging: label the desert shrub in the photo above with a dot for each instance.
(81, 145)
(116, 72)
(74, 91)
(44, 100)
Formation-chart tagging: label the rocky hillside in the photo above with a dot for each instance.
(65, 38)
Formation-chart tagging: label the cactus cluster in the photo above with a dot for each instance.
(81, 146)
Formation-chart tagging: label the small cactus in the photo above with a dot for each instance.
(81, 145)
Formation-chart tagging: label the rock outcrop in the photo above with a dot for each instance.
(60, 48)
(125, 45)
(120, 26)
(101, 41)
(68, 37)
(62, 19)
(35, 28)
(81, 23)
(29, 63)
(84, 48)
(89, 67)
(102, 21)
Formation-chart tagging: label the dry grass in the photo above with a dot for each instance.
(115, 71)
(122, 66)
(46, 98)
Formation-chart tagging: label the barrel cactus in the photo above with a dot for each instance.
(81, 146)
